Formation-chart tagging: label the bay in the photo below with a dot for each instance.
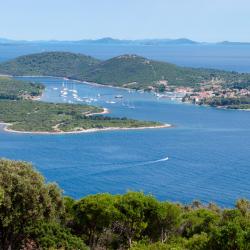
(208, 149)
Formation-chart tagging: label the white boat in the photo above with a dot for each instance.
(110, 102)
(118, 96)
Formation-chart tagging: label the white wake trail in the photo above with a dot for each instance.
(163, 159)
(152, 162)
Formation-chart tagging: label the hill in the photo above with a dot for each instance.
(64, 64)
(126, 70)
(133, 70)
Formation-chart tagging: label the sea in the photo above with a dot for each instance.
(205, 155)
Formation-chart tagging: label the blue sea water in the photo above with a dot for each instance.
(208, 149)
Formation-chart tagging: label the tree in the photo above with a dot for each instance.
(198, 221)
(94, 214)
(69, 215)
(233, 231)
(161, 88)
(198, 242)
(244, 206)
(51, 235)
(133, 208)
(1, 195)
(229, 236)
(27, 199)
(167, 220)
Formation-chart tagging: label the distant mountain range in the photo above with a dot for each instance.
(112, 41)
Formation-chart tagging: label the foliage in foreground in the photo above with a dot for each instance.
(35, 215)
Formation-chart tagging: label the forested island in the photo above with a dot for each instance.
(35, 215)
(22, 114)
(199, 86)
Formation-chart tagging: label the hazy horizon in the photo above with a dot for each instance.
(207, 20)
(120, 39)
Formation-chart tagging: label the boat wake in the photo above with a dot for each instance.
(128, 165)
(152, 162)
(163, 159)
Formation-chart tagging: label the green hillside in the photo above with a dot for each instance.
(132, 69)
(127, 70)
(63, 64)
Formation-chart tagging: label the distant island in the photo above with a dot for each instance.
(22, 114)
(114, 41)
(212, 87)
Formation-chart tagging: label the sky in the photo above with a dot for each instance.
(200, 20)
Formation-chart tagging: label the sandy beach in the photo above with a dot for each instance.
(93, 130)
(105, 111)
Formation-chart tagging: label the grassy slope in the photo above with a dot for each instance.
(116, 71)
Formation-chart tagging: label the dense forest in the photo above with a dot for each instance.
(35, 215)
(127, 70)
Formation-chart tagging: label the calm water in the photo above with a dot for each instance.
(208, 150)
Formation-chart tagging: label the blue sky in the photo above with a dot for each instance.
(201, 20)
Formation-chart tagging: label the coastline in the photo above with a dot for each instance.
(92, 130)
(111, 86)
(227, 108)
(105, 111)
(75, 80)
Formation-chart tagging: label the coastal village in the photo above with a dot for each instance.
(204, 92)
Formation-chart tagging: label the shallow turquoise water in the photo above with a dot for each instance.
(208, 150)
